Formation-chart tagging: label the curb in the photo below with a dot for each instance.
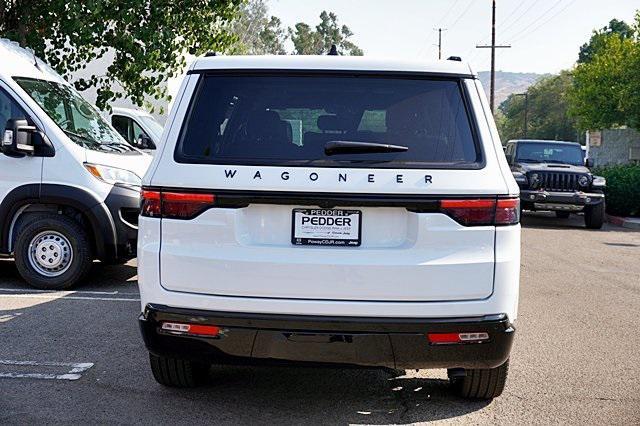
(625, 222)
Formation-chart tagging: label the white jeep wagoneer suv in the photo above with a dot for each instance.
(330, 210)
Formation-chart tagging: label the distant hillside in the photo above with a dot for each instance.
(508, 83)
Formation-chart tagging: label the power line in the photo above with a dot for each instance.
(428, 39)
(464, 12)
(545, 22)
(535, 20)
(513, 12)
(447, 13)
(522, 15)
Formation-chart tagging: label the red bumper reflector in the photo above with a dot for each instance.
(443, 338)
(191, 329)
(452, 338)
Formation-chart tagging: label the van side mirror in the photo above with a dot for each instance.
(145, 142)
(17, 138)
(589, 162)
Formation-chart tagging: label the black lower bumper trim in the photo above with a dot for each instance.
(366, 342)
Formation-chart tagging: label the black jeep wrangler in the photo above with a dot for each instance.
(554, 176)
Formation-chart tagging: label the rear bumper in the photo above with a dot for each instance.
(367, 342)
(546, 200)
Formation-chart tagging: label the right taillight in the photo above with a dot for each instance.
(507, 211)
(477, 212)
(174, 205)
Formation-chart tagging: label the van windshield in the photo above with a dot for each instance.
(74, 115)
(324, 120)
(152, 125)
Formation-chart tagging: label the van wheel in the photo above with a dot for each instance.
(52, 252)
(562, 215)
(481, 383)
(594, 216)
(177, 373)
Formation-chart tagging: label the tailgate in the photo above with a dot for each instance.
(403, 255)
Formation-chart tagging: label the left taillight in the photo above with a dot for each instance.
(174, 205)
(477, 212)
(150, 203)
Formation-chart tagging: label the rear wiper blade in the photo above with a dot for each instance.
(353, 147)
(528, 160)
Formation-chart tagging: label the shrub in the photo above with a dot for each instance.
(623, 189)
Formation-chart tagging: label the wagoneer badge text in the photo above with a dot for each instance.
(315, 176)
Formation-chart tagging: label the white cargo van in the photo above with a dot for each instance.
(330, 210)
(69, 183)
(138, 127)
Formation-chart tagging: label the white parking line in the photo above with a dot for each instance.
(7, 317)
(59, 296)
(74, 372)
(33, 290)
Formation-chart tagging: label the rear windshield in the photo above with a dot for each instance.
(291, 120)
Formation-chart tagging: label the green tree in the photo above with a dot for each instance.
(605, 90)
(328, 32)
(598, 37)
(257, 32)
(148, 39)
(547, 111)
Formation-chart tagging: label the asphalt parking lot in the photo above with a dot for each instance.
(576, 356)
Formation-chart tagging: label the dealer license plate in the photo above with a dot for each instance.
(326, 227)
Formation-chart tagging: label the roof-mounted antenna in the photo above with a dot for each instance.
(35, 61)
(333, 51)
(209, 54)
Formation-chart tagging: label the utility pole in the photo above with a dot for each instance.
(526, 111)
(493, 48)
(439, 30)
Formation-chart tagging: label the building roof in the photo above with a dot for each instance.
(332, 63)
(20, 62)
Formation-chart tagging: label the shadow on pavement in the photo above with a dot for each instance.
(120, 387)
(328, 395)
(548, 220)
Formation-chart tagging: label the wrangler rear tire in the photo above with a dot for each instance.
(177, 373)
(481, 383)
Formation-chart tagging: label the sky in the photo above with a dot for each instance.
(545, 35)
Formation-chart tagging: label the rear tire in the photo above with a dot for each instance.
(52, 252)
(481, 383)
(594, 216)
(562, 215)
(177, 373)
